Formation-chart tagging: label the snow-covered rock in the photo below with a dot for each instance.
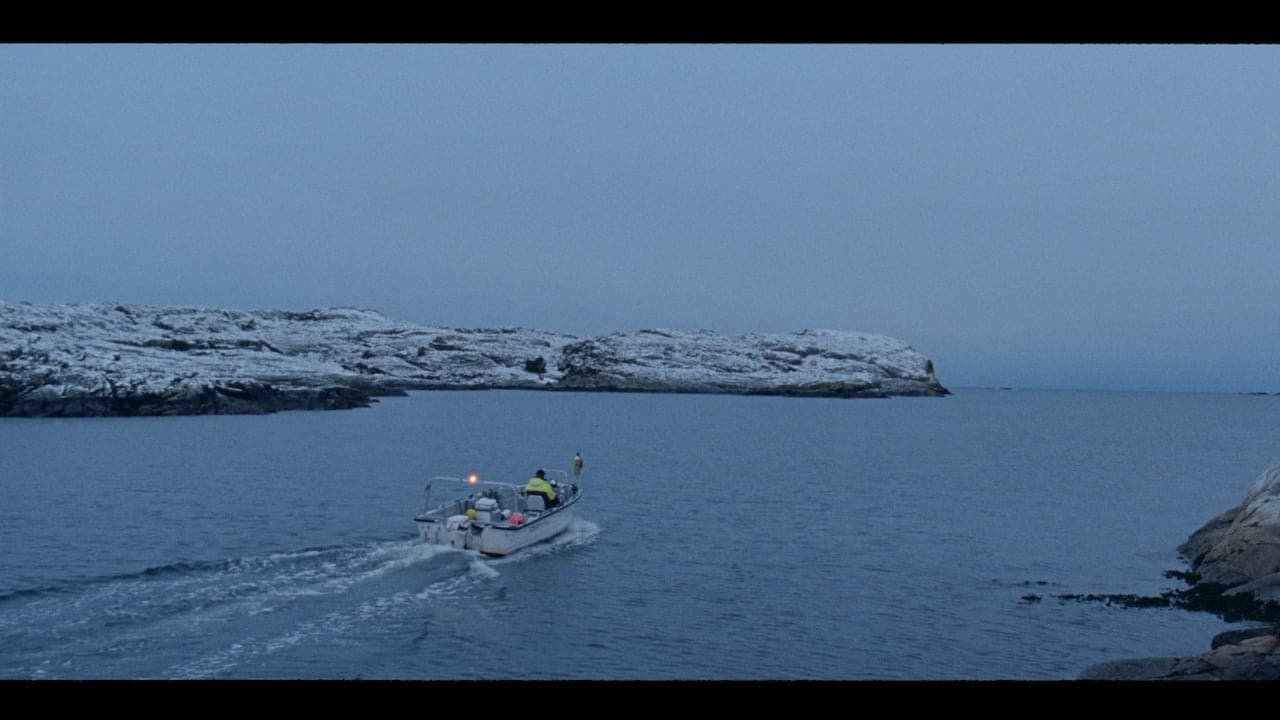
(811, 362)
(105, 359)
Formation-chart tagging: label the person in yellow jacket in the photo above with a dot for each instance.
(538, 485)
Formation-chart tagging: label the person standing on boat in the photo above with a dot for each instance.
(577, 465)
(538, 485)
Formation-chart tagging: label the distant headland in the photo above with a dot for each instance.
(96, 359)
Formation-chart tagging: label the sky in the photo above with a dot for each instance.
(1074, 216)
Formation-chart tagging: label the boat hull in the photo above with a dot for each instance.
(496, 538)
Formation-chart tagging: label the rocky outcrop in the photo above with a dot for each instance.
(102, 359)
(1240, 549)
(1235, 563)
(1234, 655)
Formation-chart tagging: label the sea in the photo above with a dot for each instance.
(719, 537)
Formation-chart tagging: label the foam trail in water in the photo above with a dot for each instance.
(275, 602)
(481, 568)
(347, 625)
(96, 620)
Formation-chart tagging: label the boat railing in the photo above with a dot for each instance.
(466, 491)
(463, 494)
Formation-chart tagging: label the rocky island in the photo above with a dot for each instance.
(1235, 564)
(109, 359)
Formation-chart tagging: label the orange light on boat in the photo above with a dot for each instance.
(472, 479)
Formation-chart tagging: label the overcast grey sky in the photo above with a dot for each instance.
(1029, 216)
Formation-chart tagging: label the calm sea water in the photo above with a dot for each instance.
(719, 537)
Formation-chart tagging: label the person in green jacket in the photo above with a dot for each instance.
(538, 485)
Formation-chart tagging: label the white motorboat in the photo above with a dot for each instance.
(494, 518)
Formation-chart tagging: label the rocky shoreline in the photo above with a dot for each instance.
(1248, 654)
(1235, 564)
(97, 359)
